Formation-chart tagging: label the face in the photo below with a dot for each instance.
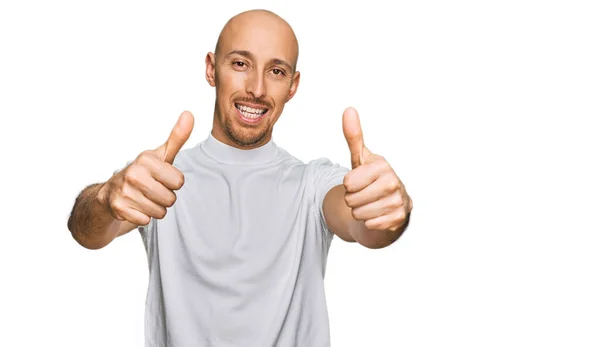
(254, 77)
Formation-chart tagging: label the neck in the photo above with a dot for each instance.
(224, 153)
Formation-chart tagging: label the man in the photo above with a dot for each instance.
(236, 229)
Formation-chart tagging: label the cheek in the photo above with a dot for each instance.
(279, 91)
(230, 83)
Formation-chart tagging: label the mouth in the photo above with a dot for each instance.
(250, 114)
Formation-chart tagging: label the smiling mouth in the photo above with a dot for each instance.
(251, 112)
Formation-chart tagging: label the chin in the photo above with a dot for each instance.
(243, 135)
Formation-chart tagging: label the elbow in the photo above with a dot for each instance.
(375, 244)
(82, 236)
(378, 239)
(383, 238)
(85, 241)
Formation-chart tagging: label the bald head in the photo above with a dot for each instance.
(253, 71)
(258, 25)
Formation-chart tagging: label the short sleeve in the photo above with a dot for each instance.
(145, 233)
(326, 176)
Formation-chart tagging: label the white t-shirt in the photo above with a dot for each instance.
(240, 259)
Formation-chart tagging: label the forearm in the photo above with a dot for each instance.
(348, 225)
(91, 223)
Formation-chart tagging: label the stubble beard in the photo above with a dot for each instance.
(240, 136)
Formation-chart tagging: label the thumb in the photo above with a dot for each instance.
(179, 135)
(354, 136)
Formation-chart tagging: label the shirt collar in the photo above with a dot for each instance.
(226, 154)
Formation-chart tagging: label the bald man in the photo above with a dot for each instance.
(236, 229)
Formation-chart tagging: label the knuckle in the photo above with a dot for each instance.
(355, 213)
(144, 157)
(385, 166)
(126, 192)
(392, 185)
(117, 206)
(142, 220)
(161, 213)
(179, 180)
(171, 199)
(371, 225)
(386, 163)
(349, 183)
(397, 201)
(348, 199)
(346, 181)
(400, 219)
(132, 177)
(141, 159)
(402, 215)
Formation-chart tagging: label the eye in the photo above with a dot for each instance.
(278, 72)
(239, 64)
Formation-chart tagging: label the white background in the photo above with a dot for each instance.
(487, 110)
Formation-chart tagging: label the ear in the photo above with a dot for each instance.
(294, 86)
(210, 68)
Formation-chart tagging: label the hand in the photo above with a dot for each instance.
(373, 190)
(145, 188)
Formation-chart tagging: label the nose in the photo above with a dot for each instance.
(255, 84)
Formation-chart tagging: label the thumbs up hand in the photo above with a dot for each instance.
(374, 193)
(145, 188)
(179, 135)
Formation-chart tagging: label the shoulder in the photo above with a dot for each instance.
(323, 175)
(312, 167)
(326, 167)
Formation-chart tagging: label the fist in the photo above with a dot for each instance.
(146, 187)
(374, 192)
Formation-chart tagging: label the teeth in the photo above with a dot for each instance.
(249, 112)
(250, 115)
(250, 109)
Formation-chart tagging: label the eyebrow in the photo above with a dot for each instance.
(250, 56)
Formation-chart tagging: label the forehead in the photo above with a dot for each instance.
(265, 38)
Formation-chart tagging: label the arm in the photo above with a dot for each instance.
(372, 206)
(91, 223)
(339, 218)
(131, 197)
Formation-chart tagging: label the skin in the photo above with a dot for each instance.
(372, 206)
(144, 189)
(254, 65)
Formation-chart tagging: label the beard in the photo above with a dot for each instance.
(241, 136)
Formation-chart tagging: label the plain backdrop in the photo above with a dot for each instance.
(487, 110)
